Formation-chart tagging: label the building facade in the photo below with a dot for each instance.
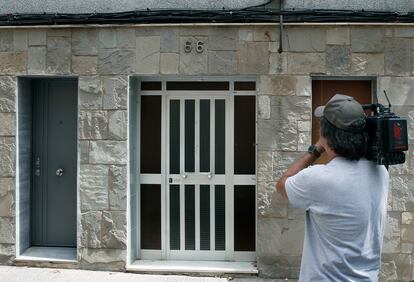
(126, 144)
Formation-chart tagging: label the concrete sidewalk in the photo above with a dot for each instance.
(32, 274)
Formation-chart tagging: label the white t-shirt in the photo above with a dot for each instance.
(345, 203)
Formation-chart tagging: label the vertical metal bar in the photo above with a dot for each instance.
(164, 187)
(197, 216)
(212, 170)
(138, 170)
(182, 217)
(182, 170)
(197, 135)
(182, 135)
(212, 218)
(230, 177)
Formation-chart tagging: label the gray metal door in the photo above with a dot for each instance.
(55, 162)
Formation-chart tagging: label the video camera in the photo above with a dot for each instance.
(387, 135)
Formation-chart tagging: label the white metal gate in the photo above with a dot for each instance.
(197, 178)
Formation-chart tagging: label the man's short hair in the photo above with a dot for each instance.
(347, 144)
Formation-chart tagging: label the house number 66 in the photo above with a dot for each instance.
(199, 46)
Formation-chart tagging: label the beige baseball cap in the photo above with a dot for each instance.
(343, 112)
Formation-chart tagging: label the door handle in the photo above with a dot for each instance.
(209, 175)
(59, 172)
(184, 176)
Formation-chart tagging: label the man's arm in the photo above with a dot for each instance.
(297, 166)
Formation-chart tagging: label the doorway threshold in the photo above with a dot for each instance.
(203, 267)
(49, 254)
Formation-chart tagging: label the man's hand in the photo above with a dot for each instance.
(297, 166)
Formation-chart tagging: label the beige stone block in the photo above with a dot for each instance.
(93, 187)
(36, 60)
(306, 63)
(117, 187)
(291, 109)
(388, 32)
(7, 124)
(194, 31)
(93, 125)
(396, 267)
(84, 42)
(84, 151)
(20, 40)
(170, 40)
(391, 241)
(246, 34)
(303, 86)
(265, 33)
(7, 94)
(367, 63)
(407, 233)
(90, 92)
(304, 39)
(13, 62)
(399, 90)
(58, 56)
(402, 193)
(338, 59)
(403, 31)
(223, 39)
(169, 63)
(59, 32)
(7, 203)
(304, 141)
(270, 203)
(265, 171)
(338, 36)
(7, 156)
(102, 259)
(398, 56)
(84, 64)
(278, 63)
(148, 54)
(117, 61)
(193, 62)
(367, 39)
(407, 248)
(37, 37)
(125, 38)
(277, 85)
(407, 218)
(7, 230)
(222, 62)
(6, 40)
(263, 107)
(115, 92)
(107, 38)
(253, 58)
(108, 152)
(274, 46)
(118, 125)
(304, 125)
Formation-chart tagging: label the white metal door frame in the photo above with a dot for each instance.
(228, 179)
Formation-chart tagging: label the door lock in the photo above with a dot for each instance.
(59, 172)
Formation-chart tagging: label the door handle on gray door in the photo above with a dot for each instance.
(59, 172)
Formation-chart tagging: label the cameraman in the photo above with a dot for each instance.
(345, 200)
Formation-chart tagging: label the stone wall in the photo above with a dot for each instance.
(104, 58)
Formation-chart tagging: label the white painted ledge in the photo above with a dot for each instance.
(49, 254)
(176, 266)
